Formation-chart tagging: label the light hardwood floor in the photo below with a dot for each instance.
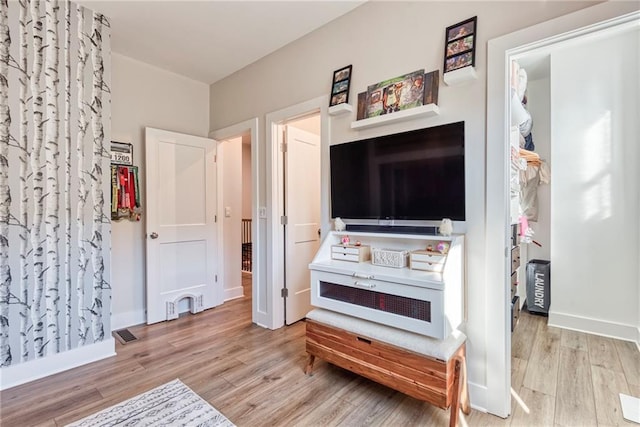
(255, 377)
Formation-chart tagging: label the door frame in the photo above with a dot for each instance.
(258, 316)
(275, 194)
(499, 54)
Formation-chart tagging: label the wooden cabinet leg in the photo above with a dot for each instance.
(464, 398)
(309, 368)
(457, 391)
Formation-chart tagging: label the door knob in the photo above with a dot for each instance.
(154, 235)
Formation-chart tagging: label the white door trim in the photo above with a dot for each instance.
(500, 52)
(275, 196)
(258, 279)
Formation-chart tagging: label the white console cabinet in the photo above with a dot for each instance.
(425, 302)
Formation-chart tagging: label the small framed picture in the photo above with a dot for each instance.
(338, 98)
(342, 74)
(460, 45)
(458, 61)
(340, 86)
(461, 29)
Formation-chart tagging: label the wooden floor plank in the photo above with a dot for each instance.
(607, 385)
(66, 400)
(413, 412)
(482, 419)
(375, 408)
(329, 412)
(630, 361)
(574, 398)
(518, 371)
(533, 409)
(542, 370)
(573, 339)
(522, 338)
(603, 353)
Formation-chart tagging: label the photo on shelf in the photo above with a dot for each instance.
(362, 106)
(340, 86)
(460, 61)
(460, 45)
(338, 98)
(396, 94)
(461, 29)
(431, 85)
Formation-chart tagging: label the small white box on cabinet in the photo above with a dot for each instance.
(396, 258)
(351, 253)
(428, 261)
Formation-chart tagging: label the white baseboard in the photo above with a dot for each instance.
(233, 293)
(594, 326)
(32, 370)
(125, 320)
(478, 396)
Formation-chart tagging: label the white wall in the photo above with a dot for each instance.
(309, 124)
(230, 155)
(414, 33)
(143, 95)
(596, 185)
(246, 177)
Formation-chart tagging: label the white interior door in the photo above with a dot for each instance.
(181, 223)
(302, 207)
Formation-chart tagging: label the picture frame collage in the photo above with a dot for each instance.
(340, 86)
(460, 45)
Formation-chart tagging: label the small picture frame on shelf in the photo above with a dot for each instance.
(340, 86)
(431, 86)
(362, 106)
(460, 45)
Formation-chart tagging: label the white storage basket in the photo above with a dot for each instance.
(396, 258)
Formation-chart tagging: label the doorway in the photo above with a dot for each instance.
(234, 157)
(551, 34)
(301, 211)
(293, 238)
(242, 154)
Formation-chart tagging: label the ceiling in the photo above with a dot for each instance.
(209, 40)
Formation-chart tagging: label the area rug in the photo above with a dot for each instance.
(171, 404)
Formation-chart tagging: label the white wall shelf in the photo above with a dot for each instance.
(340, 109)
(428, 110)
(459, 76)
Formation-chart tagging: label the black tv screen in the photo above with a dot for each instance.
(415, 175)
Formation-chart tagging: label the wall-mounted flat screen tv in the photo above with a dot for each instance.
(415, 175)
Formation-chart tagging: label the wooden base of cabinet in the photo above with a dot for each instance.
(441, 383)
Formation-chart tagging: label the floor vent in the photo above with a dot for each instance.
(125, 336)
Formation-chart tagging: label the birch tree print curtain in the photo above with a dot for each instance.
(54, 147)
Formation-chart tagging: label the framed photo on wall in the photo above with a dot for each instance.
(392, 95)
(460, 45)
(340, 86)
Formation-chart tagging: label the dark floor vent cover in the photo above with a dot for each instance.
(125, 336)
